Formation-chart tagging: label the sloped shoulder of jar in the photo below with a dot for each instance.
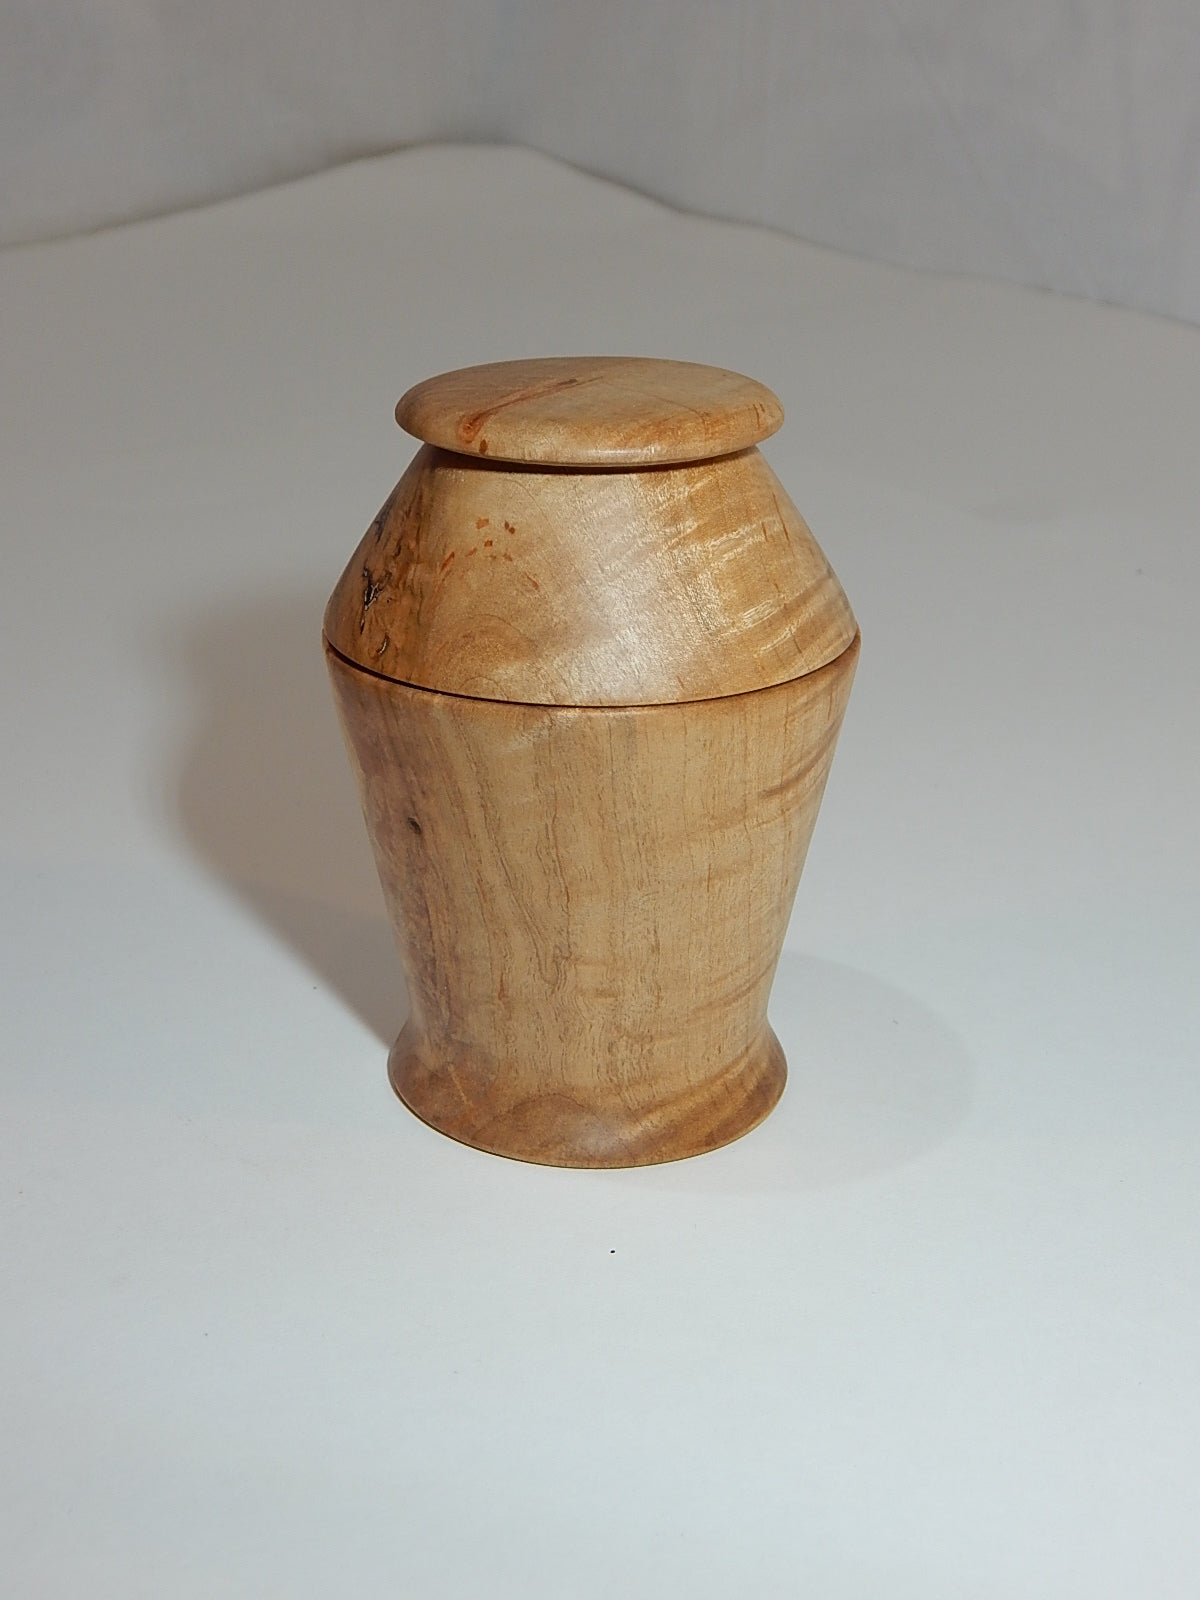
(595, 588)
(591, 411)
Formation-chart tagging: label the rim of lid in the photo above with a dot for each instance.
(591, 411)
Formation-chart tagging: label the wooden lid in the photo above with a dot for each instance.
(591, 411)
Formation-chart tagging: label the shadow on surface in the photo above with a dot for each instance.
(264, 798)
(875, 1081)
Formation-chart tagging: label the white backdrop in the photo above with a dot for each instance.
(933, 1331)
(1052, 142)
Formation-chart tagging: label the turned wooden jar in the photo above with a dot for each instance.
(591, 666)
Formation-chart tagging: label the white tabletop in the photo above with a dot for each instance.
(933, 1330)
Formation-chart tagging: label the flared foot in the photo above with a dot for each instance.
(566, 1129)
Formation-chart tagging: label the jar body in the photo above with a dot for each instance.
(589, 904)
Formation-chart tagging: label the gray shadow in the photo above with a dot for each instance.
(262, 795)
(875, 1081)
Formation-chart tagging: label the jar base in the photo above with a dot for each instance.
(559, 1130)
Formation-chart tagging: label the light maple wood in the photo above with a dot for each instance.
(589, 906)
(577, 411)
(591, 693)
(589, 588)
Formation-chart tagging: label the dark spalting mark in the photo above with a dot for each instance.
(787, 532)
(371, 591)
(531, 581)
(509, 528)
(472, 550)
(414, 825)
(506, 555)
(487, 544)
(483, 447)
(482, 522)
(447, 562)
(376, 530)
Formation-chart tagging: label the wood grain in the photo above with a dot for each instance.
(591, 411)
(589, 906)
(589, 588)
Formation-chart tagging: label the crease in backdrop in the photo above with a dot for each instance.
(1047, 142)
